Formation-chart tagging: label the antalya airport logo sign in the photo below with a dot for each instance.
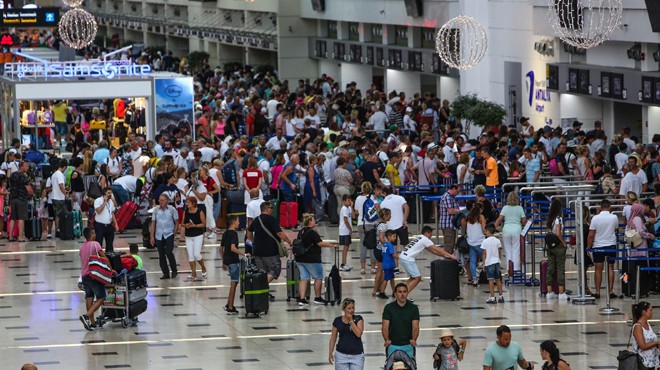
(82, 69)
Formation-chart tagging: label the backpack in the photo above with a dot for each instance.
(502, 176)
(128, 263)
(437, 364)
(369, 211)
(297, 247)
(229, 172)
(35, 156)
(67, 176)
(553, 167)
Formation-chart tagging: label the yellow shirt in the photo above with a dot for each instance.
(395, 174)
(59, 111)
(492, 179)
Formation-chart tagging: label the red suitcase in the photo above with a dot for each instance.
(544, 273)
(288, 214)
(125, 214)
(13, 234)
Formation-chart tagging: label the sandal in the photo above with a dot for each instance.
(191, 278)
(204, 274)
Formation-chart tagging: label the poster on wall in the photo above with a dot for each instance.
(174, 105)
(605, 90)
(647, 89)
(583, 77)
(617, 86)
(572, 80)
(656, 90)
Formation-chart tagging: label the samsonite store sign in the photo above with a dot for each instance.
(38, 17)
(85, 69)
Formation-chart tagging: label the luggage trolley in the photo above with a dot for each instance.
(125, 299)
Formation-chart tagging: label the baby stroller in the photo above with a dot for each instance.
(400, 356)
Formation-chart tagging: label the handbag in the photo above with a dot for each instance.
(94, 190)
(97, 125)
(628, 360)
(552, 241)
(281, 248)
(99, 269)
(463, 246)
(633, 238)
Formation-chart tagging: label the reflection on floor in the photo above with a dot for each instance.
(185, 326)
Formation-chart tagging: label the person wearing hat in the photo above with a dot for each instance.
(448, 151)
(505, 354)
(527, 130)
(415, 247)
(449, 351)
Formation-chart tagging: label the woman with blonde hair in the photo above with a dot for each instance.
(513, 217)
(462, 171)
(310, 263)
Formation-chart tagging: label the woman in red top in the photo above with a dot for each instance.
(252, 179)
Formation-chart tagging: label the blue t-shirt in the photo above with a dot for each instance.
(503, 358)
(388, 256)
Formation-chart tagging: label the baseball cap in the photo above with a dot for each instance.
(449, 140)
(393, 127)
(409, 109)
(577, 123)
(431, 146)
(207, 109)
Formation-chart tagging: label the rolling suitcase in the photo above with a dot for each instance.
(66, 225)
(238, 210)
(332, 284)
(136, 279)
(245, 262)
(276, 208)
(134, 310)
(293, 281)
(33, 224)
(125, 214)
(221, 222)
(14, 233)
(444, 280)
(256, 291)
(288, 214)
(333, 216)
(115, 260)
(77, 224)
(544, 273)
(629, 280)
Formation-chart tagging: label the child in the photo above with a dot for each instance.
(389, 263)
(230, 260)
(449, 351)
(491, 258)
(345, 229)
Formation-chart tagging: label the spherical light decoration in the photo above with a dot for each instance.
(461, 42)
(585, 23)
(72, 3)
(77, 28)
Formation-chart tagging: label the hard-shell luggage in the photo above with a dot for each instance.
(293, 281)
(276, 208)
(332, 283)
(237, 209)
(444, 280)
(115, 260)
(544, 273)
(245, 262)
(629, 280)
(135, 309)
(66, 225)
(136, 279)
(288, 214)
(125, 214)
(77, 224)
(333, 216)
(256, 291)
(14, 233)
(33, 224)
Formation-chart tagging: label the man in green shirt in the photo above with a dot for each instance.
(400, 327)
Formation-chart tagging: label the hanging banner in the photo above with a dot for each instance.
(174, 105)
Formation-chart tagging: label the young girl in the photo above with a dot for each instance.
(449, 351)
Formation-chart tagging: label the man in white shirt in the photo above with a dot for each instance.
(264, 167)
(105, 222)
(314, 117)
(620, 159)
(378, 120)
(181, 159)
(271, 106)
(208, 153)
(252, 210)
(59, 192)
(415, 247)
(400, 210)
(635, 170)
(448, 151)
(123, 187)
(602, 234)
(630, 182)
(274, 142)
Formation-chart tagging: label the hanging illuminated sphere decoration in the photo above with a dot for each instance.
(77, 28)
(72, 3)
(461, 42)
(585, 23)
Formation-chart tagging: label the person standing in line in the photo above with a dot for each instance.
(164, 226)
(310, 263)
(345, 229)
(645, 343)
(94, 290)
(364, 225)
(400, 325)
(602, 234)
(194, 222)
(105, 222)
(513, 216)
(59, 192)
(349, 351)
(505, 354)
(556, 255)
(253, 210)
(491, 257)
(447, 208)
(398, 222)
(230, 260)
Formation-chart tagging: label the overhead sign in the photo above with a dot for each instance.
(38, 17)
(87, 69)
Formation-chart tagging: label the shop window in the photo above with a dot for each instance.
(428, 38)
(354, 31)
(415, 61)
(339, 51)
(332, 29)
(377, 33)
(401, 35)
(321, 49)
(395, 59)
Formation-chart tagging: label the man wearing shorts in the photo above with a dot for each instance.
(18, 185)
(265, 234)
(59, 192)
(94, 290)
(447, 208)
(602, 234)
(59, 111)
(416, 246)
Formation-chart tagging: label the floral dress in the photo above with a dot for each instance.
(649, 358)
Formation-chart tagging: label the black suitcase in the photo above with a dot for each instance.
(33, 225)
(146, 234)
(628, 284)
(136, 279)
(135, 309)
(115, 260)
(333, 216)
(444, 280)
(66, 225)
(293, 281)
(256, 292)
(245, 262)
(333, 284)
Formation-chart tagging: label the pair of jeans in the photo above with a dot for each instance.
(166, 254)
(106, 232)
(121, 194)
(475, 254)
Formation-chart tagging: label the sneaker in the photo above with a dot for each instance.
(563, 297)
(319, 300)
(226, 307)
(50, 236)
(271, 297)
(396, 271)
(86, 323)
(551, 295)
(382, 295)
(500, 300)
(362, 272)
(210, 234)
(475, 284)
(232, 311)
(302, 302)
(345, 268)
(491, 300)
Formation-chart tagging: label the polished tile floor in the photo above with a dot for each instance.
(185, 326)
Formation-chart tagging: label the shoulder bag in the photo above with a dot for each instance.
(633, 238)
(628, 360)
(99, 269)
(281, 248)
